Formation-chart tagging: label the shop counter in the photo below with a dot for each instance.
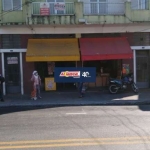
(50, 85)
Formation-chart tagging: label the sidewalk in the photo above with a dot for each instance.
(71, 99)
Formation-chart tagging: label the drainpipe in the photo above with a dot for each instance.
(21, 73)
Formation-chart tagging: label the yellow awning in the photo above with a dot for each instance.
(52, 50)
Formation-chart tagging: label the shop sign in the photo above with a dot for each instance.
(73, 74)
(44, 9)
(59, 6)
(12, 60)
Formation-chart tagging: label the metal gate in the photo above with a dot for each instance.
(12, 73)
(142, 69)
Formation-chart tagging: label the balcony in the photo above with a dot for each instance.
(51, 8)
(103, 8)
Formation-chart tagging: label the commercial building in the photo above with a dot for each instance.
(42, 34)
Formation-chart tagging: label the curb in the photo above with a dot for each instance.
(78, 104)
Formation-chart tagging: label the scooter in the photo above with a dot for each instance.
(116, 85)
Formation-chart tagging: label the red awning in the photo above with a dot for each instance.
(105, 49)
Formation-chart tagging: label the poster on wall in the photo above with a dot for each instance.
(44, 9)
(50, 85)
(51, 67)
(125, 69)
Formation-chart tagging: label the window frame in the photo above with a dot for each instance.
(98, 2)
(12, 6)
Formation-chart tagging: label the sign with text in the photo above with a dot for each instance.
(12, 60)
(59, 6)
(73, 74)
(44, 9)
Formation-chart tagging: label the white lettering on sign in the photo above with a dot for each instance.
(85, 74)
(44, 8)
(74, 74)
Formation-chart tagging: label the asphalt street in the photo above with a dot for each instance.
(78, 127)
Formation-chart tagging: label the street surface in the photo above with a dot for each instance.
(75, 128)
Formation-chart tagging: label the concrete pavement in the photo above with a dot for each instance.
(97, 97)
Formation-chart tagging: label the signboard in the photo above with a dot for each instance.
(12, 60)
(44, 9)
(50, 85)
(73, 74)
(59, 6)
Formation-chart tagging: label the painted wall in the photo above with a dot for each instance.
(25, 16)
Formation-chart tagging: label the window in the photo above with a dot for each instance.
(98, 6)
(11, 41)
(52, 9)
(12, 5)
(139, 4)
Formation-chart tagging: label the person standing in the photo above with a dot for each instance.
(2, 79)
(81, 93)
(36, 85)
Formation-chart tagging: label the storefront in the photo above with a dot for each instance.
(49, 53)
(108, 55)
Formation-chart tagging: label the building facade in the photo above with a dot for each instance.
(35, 33)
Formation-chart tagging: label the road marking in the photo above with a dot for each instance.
(73, 142)
(81, 113)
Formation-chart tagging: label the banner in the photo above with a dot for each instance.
(59, 6)
(44, 8)
(73, 74)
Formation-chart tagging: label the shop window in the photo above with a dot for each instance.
(11, 41)
(13, 5)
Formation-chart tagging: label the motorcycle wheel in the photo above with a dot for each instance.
(113, 89)
(134, 88)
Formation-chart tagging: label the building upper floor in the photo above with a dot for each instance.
(64, 12)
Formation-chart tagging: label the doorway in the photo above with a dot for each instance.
(142, 69)
(12, 73)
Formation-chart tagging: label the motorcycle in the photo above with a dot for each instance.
(122, 84)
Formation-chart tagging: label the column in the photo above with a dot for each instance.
(134, 65)
(21, 73)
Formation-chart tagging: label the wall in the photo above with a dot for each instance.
(10, 17)
(28, 68)
(130, 16)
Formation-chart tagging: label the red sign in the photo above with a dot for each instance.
(44, 9)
